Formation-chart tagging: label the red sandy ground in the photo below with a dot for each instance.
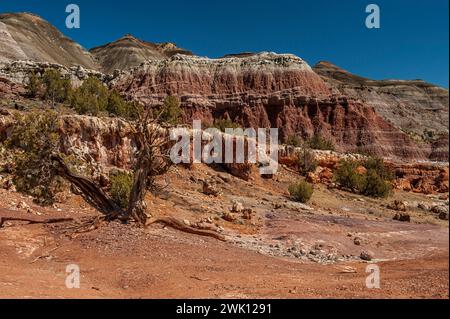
(123, 261)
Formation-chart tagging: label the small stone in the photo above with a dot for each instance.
(229, 217)
(22, 205)
(398, 206)
(438, 210)
(357, 241)
(402, 217)
(237, 207)
(186, 222)
(367, 255)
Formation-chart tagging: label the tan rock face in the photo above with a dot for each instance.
(128, 52)
(25, 36)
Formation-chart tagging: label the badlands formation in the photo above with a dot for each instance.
(275, 247)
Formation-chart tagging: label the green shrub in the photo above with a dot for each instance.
(375, 185)
(91, 97)
(120, 187)
(294, 140)
(306, 162)
(222, 124)
(34, 139)
(301, 191)
(57, 88)
(34, 86)
(317, 142)
(375, 182)
(118, 106)
(347, 176)
(377, 164)
(170, 112)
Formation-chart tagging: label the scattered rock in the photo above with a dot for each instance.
(423, 206)
(248, 214)
(367, 255)
(225, 178)
(398, 206)
(402, 217)
(439, 209)
(186, 222)
(210, 189)
(229, 217)
(22, 205)
(237, 207)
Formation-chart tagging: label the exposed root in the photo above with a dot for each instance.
(179, 225)
(34, 221)
(90, 224)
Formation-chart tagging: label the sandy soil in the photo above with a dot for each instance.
(287, 250)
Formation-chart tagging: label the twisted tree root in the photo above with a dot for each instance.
(179, 225)
(35, 221)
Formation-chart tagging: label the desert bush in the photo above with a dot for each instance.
(375, 185)
(301, 191)
(120, 107)
(33, 86)
(294, 140)
(306, 162)
(57, 89)
(377, 164)
(91, 97)
(375, 182)
(120, 187)
(34, 139)
(222, 124)
(348, 177)
(317, 142)
(170, 112)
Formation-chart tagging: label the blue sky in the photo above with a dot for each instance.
(412, 42)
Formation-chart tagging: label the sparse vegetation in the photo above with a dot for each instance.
(318, 142)
(306, 162)
(375, 185)
(57, 88)
(294, 140)
(348, 177)
(301, 191)
(91, 97)
(33, 140)
(170, 112)
(370, 178)
(34, 86)
(118, 106)
(121, 184)
(222, 124)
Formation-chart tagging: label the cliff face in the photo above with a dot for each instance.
(398, 119)
(267, 90)
(25, 36)
(418, 108)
